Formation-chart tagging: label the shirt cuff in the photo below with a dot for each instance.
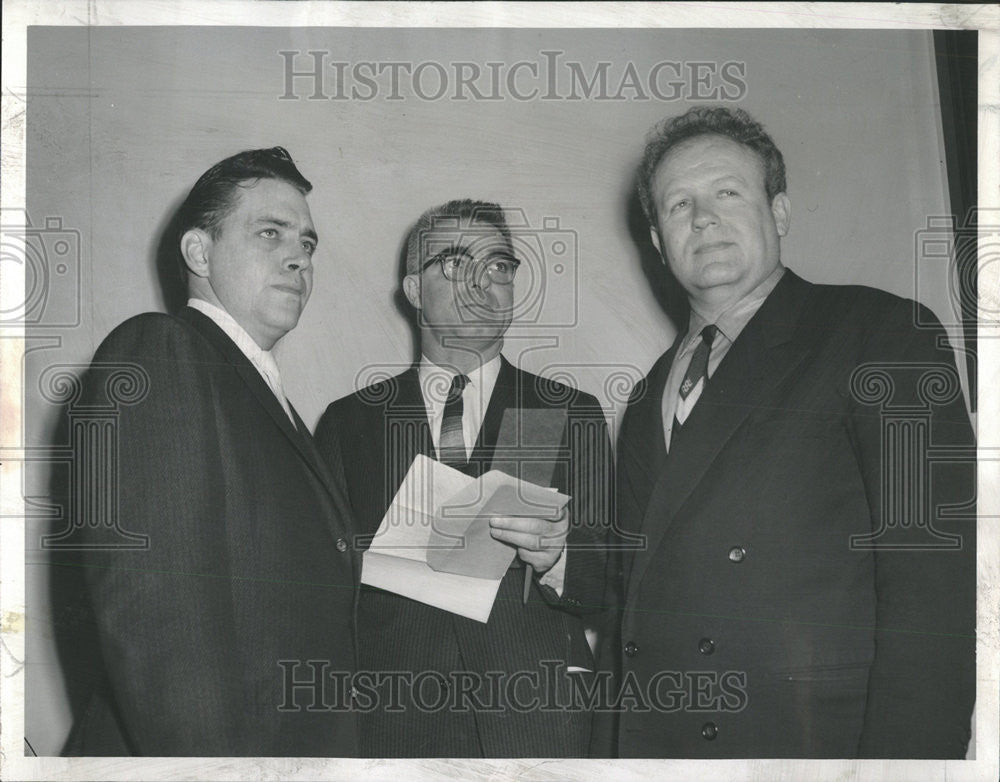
(555, 576)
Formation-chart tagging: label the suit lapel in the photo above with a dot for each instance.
(757, 363)
(303, 441)
(405, 419)
(408, 405)
(642, 451)
(505, 395)
(300, 438)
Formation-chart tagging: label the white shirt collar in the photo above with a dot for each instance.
(434, 384)
(262, 360)
(233, 330)
(483, 378)
(732, 322)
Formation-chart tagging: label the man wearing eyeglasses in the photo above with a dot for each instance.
(466, 688)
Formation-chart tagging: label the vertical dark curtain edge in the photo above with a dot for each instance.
(956, 53)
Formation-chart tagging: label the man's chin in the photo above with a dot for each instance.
(285, 322)
(477, 318)
(489, 333)
(475, 337)
(719, 271)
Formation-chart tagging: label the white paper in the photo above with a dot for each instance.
(431, 492)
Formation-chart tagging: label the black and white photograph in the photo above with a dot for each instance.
(499, 391)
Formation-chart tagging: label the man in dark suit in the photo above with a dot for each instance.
(505, 684)
(246, 571)
(807, 583)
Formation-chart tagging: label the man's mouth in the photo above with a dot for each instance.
(293, 289)
(484, 311)
(712, 247)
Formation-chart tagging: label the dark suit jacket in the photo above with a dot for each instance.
(242, 569)
(372, 437)
(833, 648)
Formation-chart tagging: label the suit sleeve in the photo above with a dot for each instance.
(590, 486)
(164, 617)
(922, 684)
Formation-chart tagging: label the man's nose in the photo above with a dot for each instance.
(478, 280)
(702, 216)
(298, 258)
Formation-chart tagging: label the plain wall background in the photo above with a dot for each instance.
(122, 121)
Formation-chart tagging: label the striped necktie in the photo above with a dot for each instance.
(696, 375)
(451, 443)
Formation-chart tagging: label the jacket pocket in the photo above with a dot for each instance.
(821, 673)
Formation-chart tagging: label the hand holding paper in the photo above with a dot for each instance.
(435, 543)
(539, 542)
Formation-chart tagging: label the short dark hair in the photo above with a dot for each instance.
(709, 120)
(214, 194)
(456, 214)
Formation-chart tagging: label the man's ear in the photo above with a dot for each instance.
(195, 246)
(654, 236)
(781, 208)
(411, 288)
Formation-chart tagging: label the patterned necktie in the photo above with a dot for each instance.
(696, 375)
(451, 443)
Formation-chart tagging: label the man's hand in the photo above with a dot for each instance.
(539, 542)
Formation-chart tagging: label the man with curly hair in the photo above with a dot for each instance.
(804, 589)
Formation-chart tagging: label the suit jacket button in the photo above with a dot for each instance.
(709, 731)
(341, 545)
(706, 646)
(737, 554)
(631, 649)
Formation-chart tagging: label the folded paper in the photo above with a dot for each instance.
(434, 543)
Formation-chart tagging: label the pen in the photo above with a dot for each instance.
(529, 571)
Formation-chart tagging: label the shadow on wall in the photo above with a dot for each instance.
(662, 283)
(170, 270)
(74, 627)
(402, 304)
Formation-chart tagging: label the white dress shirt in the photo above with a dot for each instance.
(261, 359)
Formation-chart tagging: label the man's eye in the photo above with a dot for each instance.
(269, 233)
(453, 262)
(678, 205)
(502, 266)
(310, 248)
(728, 192)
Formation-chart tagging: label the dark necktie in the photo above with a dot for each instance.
(697, 372)
(451, 444)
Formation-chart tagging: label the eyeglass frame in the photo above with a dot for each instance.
(467, 257)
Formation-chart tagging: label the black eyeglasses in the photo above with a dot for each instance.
(457, 265)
